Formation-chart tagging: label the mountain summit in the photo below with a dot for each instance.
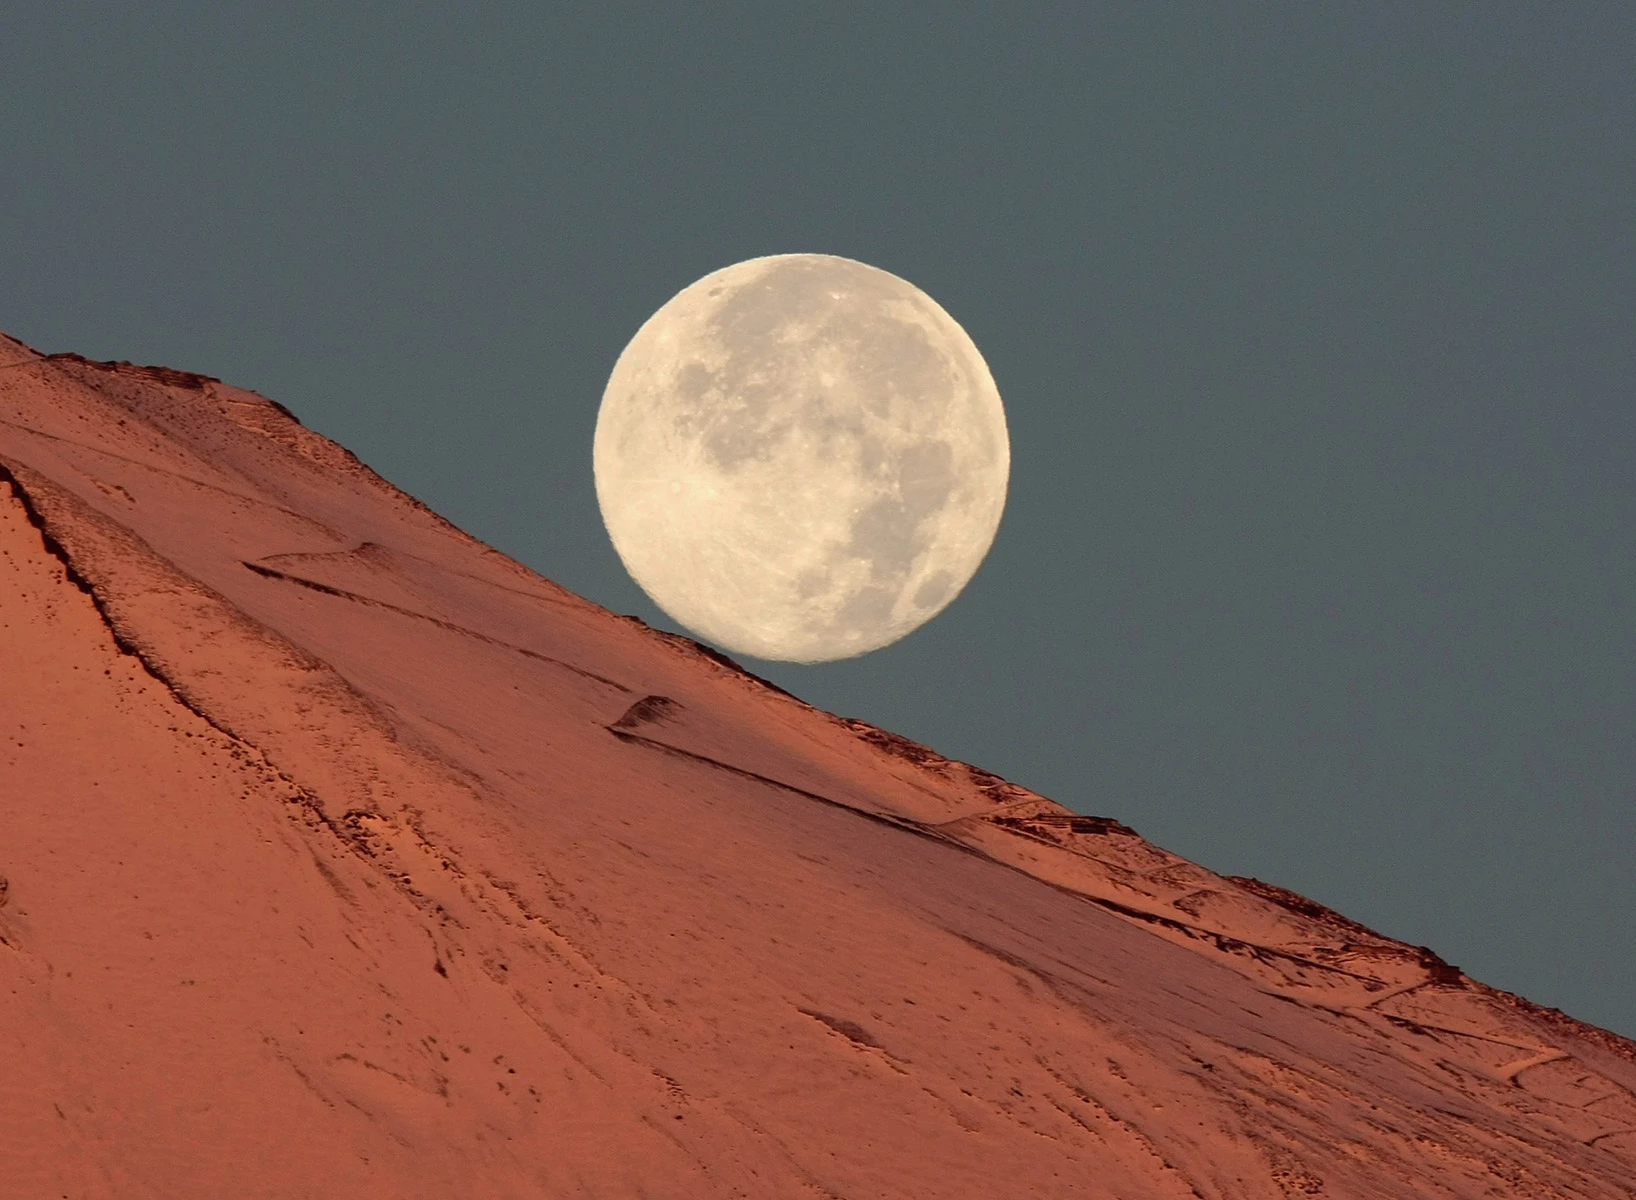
(344, 856)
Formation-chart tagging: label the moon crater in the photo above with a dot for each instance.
(801, 457)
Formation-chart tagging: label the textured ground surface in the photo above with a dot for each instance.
(345, 857)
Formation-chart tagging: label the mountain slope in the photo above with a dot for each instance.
(345, 856)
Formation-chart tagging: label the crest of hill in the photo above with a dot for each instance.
(344, 855)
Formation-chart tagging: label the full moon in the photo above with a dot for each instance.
(801, 457)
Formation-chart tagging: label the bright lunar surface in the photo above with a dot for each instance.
(801, 457)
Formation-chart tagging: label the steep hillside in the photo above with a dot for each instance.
(344, 856)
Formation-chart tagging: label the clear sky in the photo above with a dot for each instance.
(1314, 323)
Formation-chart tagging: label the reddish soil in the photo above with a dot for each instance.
(343, 856)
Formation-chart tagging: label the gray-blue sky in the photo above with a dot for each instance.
(1314, 324)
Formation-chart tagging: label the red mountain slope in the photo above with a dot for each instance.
(346, 857)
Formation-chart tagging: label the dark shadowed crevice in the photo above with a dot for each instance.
(340, 593)
(850, 1030)
(304, 797)
(57, 551)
